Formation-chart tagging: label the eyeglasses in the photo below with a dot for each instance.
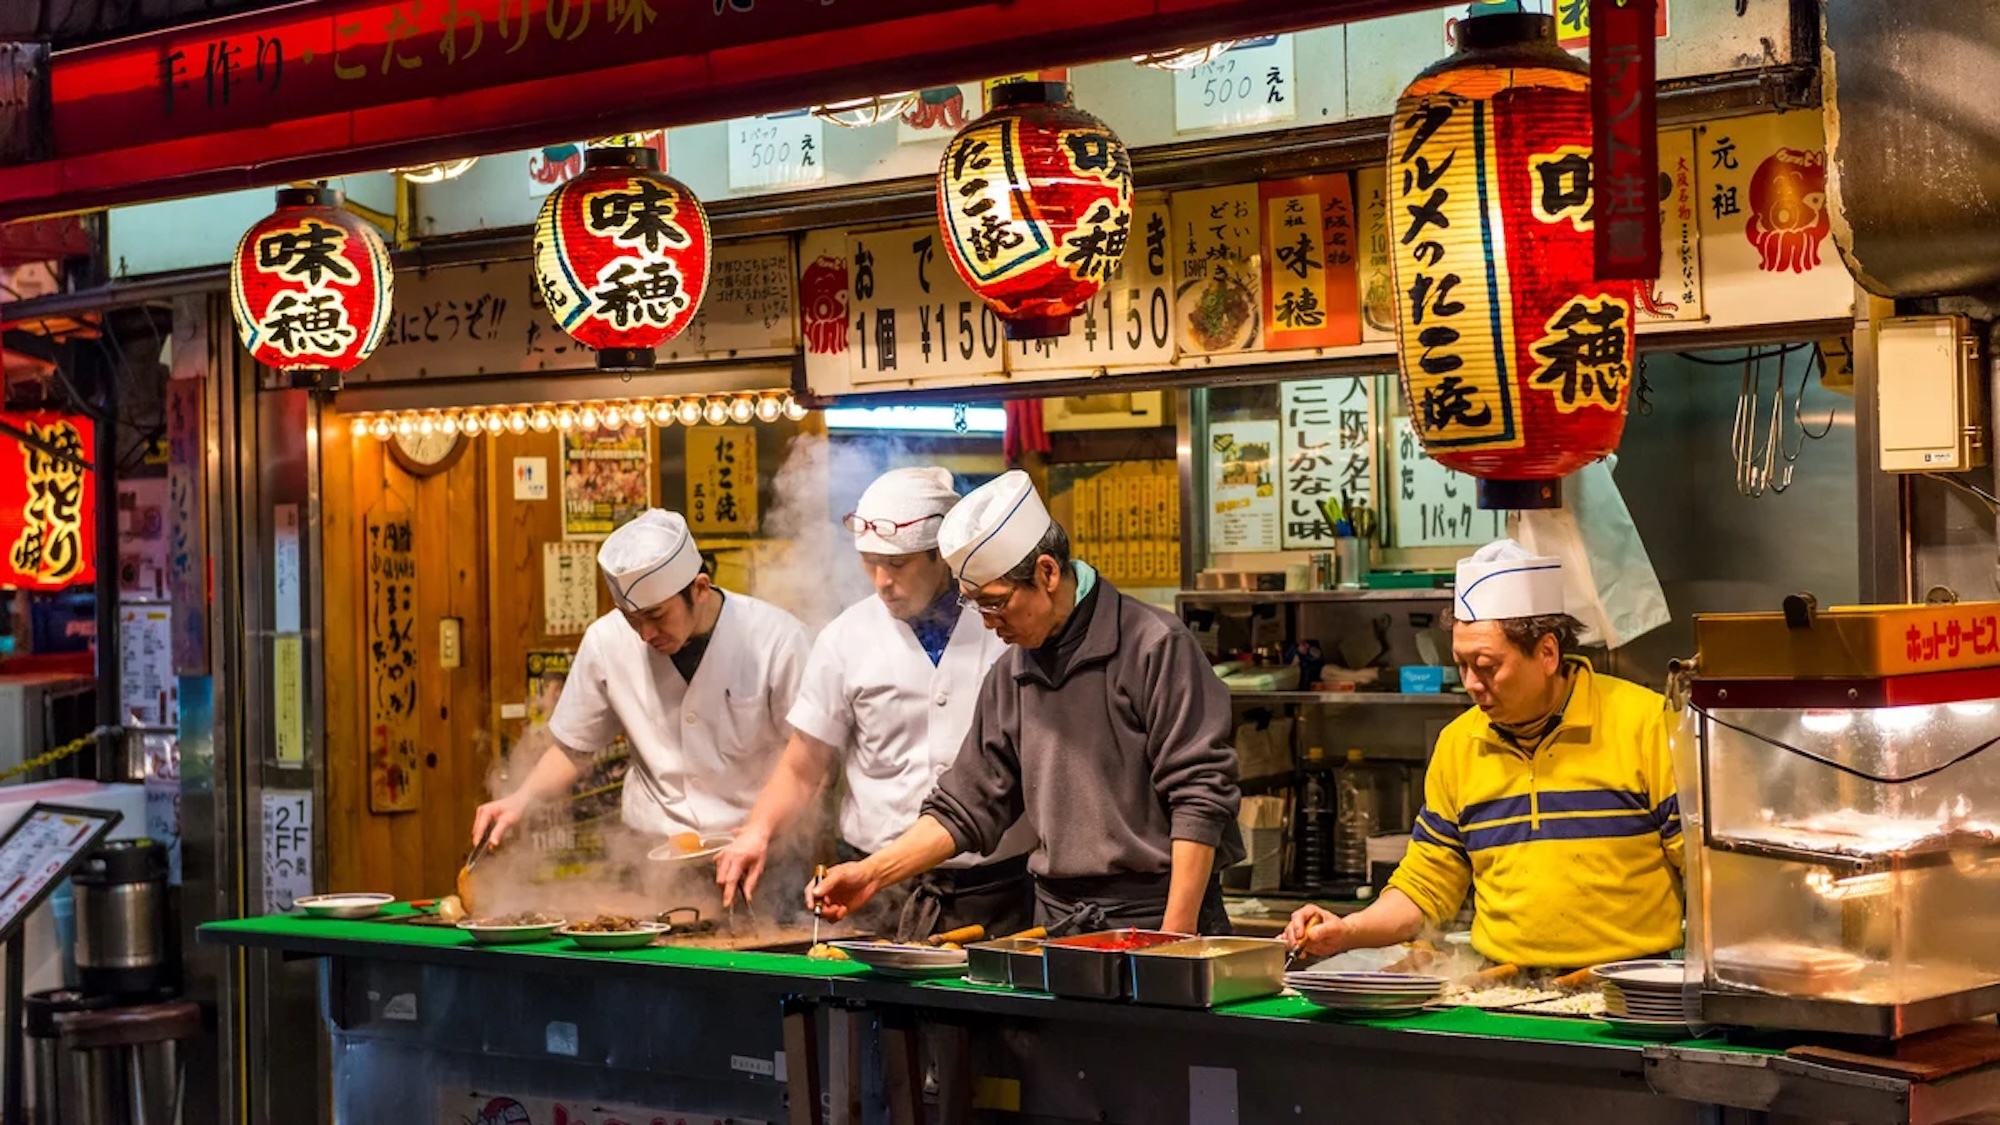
(988, 607)
(856, 523)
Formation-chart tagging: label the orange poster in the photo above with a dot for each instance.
(1311, 279)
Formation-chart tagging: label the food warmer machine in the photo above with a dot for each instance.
(1841, 793)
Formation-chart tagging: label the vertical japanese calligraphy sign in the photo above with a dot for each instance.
(389, 560)
(1624, 142)
(187, 524)
(1311, 275)
(48, 505)
(1217, 253)
(722, 480)
(1327, 451)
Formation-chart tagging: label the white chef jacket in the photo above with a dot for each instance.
(895, 719)
(704, 749)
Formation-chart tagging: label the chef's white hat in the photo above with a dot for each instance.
(916, 499)
(1504, 579)
(996, 526)
(649, 560)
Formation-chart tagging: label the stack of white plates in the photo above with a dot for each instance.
(1367, 994)
(1644, 996)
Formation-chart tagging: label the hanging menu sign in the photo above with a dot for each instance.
(1242, 486)
(1327, 448)
(1249, 84)
(909, 315)
(1130, 322)
(1217, 243)
(1676, 295)
(778, 150)
(390, 562)
(722, 480)
(40, 851)
(1309, 263)
(1377, 280)
(1435, 506)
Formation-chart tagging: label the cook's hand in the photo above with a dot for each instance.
(502, 815)
(845, 889)
(741, 864)
(1316, 931)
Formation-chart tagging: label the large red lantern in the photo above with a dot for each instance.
(1036, 203)
(621, 256)
(1516, 361)
(311, 285)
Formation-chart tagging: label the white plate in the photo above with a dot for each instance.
(344, 905)
(1649, 1029)
(915, 961)
(511, 935)
(710, 845)
(1386, 982)
(637, 938)
(1643, 976)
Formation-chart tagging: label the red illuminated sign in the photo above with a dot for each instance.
(48, 505)
(1625, 154)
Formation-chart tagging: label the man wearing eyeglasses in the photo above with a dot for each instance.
(888, 694)
(1102, 726)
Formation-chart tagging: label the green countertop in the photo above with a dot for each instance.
(381, 939)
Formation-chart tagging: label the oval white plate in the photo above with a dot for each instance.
(349, 906)
(710, 845)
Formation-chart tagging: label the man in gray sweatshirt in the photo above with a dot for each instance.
(1101, 725)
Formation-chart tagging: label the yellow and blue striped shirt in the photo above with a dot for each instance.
(1572, 848)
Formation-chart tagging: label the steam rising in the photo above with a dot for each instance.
(814, 572)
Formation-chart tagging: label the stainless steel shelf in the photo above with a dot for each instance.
(1355, 698)
(1267, 597)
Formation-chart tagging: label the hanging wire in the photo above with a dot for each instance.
(1851, 771)
(1987, 498)
(1748, 353)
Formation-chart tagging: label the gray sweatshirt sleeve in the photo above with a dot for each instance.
(979, 797)
(1187, 723)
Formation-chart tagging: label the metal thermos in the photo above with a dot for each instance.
(121, 919)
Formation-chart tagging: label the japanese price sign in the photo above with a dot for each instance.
(1130, 322)
(48, 506)
(389, 560)
(771, 151)
(1435, 506)
(722, 480)
(1217, 245)
(1310, 275)
(908, 315)
(1327, 447)
(1249, 84)
(1377, 278)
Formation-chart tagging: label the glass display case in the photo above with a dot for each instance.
(1847, 822)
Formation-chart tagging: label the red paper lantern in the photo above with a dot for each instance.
(1516, 361)
(311, 285)
(621, 255)
(1036, 203)
(48, 504)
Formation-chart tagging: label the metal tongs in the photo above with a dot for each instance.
(819, 873)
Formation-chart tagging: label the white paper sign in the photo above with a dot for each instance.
(1243, 486)
(569, 587)
(1436, 506)
(748, 308)
(1328, 451)
(912, 316)
(1130, 322)
(1251, 83)
(288, 848)
(531, 478)
(770, 151)
(285, 559)
(149, 690)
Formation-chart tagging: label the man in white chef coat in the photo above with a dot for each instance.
(888, 695)
(698, 680)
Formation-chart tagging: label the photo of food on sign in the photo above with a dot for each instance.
(1220, 313)
(1245, 464)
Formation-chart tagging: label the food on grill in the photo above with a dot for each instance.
(1575, 1004)
(1503, 996)
(605, 924)
(825, 952)
(450, 908)
(525, 918)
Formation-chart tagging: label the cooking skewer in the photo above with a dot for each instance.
(819, 873)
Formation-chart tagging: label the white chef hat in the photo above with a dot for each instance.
(916, 498)
(649, 560)
(996, 526)
(1504, 579)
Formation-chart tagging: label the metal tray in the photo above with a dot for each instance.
(1097, 966)
(1208, 971)
(1013, 962)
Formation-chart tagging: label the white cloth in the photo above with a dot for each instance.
(1609, 583)
(896, 720)
(649, 559)
(702, 750)
(996, 526)
(917, 498)
(1504, 579)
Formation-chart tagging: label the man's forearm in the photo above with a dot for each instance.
(1193, 865)
(551, 778)
(1393, 918)
(921, 847)
(801, 771)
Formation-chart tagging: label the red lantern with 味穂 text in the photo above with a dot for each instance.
(311, 285)
(1035, 199)
(621, 257)
(1517, 362)
(48, 501)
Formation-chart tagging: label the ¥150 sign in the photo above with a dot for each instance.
(48, 505)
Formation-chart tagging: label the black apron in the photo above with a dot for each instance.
(1110, 902)
(998, 896)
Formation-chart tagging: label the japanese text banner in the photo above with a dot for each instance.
(48, 505)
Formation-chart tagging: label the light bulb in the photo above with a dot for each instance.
(769, 409)
(714, 412)
(405, 426)
(543, 420)
(663, 414)
(565, 419)
(356, 423)
(1900, 720)
(517, 421)
(425, 426)
(690, 411)
(472, 421)
(793, 410)
(1826, 722)
(614, 416)
(379, 428)
(587, 419)
(448, 424)
(741, 410)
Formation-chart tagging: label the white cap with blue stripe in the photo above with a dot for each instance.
(996, 526)
(649, 559)
(1504, 579)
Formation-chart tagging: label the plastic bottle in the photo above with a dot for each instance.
(1315, 823)
(1354, 789)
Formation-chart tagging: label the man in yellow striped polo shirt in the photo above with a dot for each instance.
(1553, 800)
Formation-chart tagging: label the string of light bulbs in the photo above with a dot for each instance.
(585, 416)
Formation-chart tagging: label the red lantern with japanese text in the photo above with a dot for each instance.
(621, 257)
(311, 285)
(48, 501)
(1517, 362)
(1035, 199)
